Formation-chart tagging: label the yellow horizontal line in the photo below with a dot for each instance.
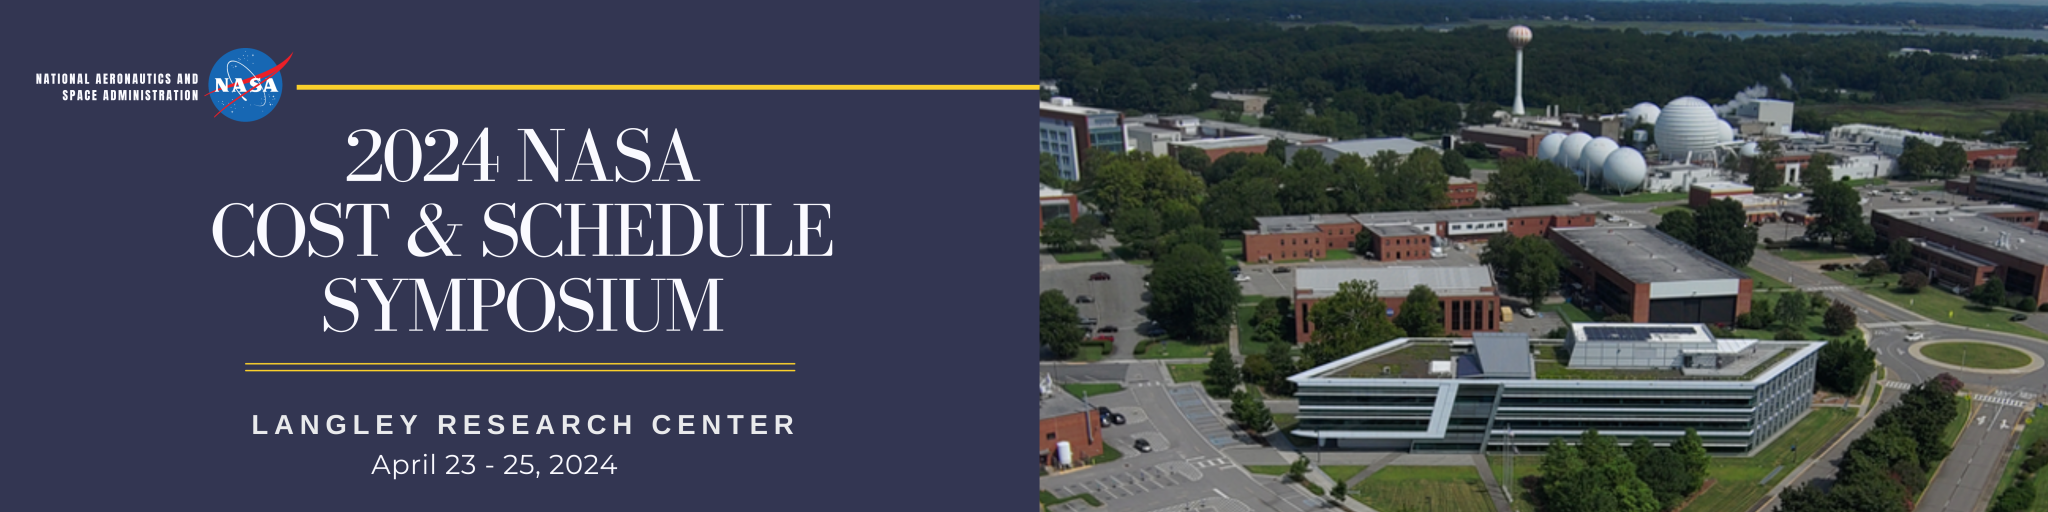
(512, 364)
(666, 87)
(526, 370)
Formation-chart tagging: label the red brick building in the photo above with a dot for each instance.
(1698, 196)
(1063, 418)
(1991, 157)
(1055, 203)
(1469, 301)
(1502, 139)
(1217, 148)
(1304, 237)
(1966, 246)
(1463, 192)
(1650, 277)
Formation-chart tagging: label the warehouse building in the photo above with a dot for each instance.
(1488, 391)
(1398, 236)
(1965, 246)
(2005, 188)
(1650, 277)
(1505, 141)
(1470, 303)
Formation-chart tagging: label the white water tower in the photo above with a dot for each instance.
(1519, 36)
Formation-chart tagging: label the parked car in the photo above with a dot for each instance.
(1243, 278)
(2018, 317)
(1915, 336)
(1088, 321)
(1282, 270)
(1107, 328)
(1104, 338)
(1116, 417)
(1084, 299)
(1527, 312)
(1142, 445)
(1098, 276)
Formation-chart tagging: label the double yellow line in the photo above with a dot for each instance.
(258, 368)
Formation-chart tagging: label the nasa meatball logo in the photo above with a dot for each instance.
(246, 84)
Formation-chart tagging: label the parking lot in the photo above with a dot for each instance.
(1117, 301)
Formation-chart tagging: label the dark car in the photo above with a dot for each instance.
(1107, 328)
(1142, 445)
(1084, 299)
(2018, 317)
(1282, 270)
(1116, 417)
(1098, 276)
(1103, 411)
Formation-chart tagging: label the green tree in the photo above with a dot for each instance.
(1818, 170)
(1792, 311)
(1338, 493)
(1298, 471)
(1280, 354)
(1912, 281)
(1351, 320)
(1087, 230)
(1250, 412)
(1277, 148)
(1530, 182)
(1057, 235)
(2035, 156)
(1838, 210)
(1193, 159)
(1049, 171)
(1724, 233)
(1422, 314)
(1454, 164)
(1990, 294)
(1844, 364)
(1237, 203)
(1951, 159)
(1840, 319)
(1059, 325)
(1680, 224)
(1527, 267)
(1693, 452)
(1257, 371)
(1193, 295)
(1136, 181)
(1899, 255)
(1594, 475)
(1138, 231)
(1221, 376)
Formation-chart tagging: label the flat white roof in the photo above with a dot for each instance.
(1396, 281)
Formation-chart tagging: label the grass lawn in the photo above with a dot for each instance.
(1092, 389)
(1568, 311)
(1763, 282)
(1109, 454)
(1046, 498)
(1342, 473)
(1528, 468)
(1939, 305)
(1933, 116)
(1972, 354)
(1245, 312)
(1736, 486)
(1433, 488)
(1812, 253)
(1337, 254)
(1661, 210)
(1089, 353)
(1267, 470)
(1408, 362)
(1233, 250)
(1171, 349)
(1867, 181)
(1930, 188)
(1644, 198)
(1482, 164)
(1077, 257)
(1812, 329)
(1557, 371)
(1188, 373)
(2028, 437)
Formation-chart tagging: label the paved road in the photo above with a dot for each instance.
(1185, 469)
(1971, 469)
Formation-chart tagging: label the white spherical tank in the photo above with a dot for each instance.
(1624, 170)
(1642, 113)
(1568, 154)
(1688, 125)
(1546, 150)
(1519, 36)
(1595, 155)
(1727, 134)
(1751, 149)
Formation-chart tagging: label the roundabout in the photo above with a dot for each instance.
(1977, 356)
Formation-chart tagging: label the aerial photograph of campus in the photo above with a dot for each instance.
(1542, 255)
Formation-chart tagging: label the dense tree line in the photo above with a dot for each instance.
(1597, 475)
(1193, 296)
(1527, 267)
(1721, 230)
(2019, 495)
(1349, 321)
(1397, 81)
(1886, 468)
(1440, 11)
(1059, 325)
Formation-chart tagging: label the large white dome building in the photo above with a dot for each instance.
(1689, 125)
(1546, 150)
(1595, 155)
(1645, 113)
(1624, 170)
(1568, 154)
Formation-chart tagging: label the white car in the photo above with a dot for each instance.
(1916, 336)
(1243, 278)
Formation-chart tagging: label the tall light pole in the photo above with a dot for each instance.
(1518, 35)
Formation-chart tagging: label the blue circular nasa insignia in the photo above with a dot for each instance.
(246, 85)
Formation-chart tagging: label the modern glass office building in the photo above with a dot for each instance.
(1626, 380)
